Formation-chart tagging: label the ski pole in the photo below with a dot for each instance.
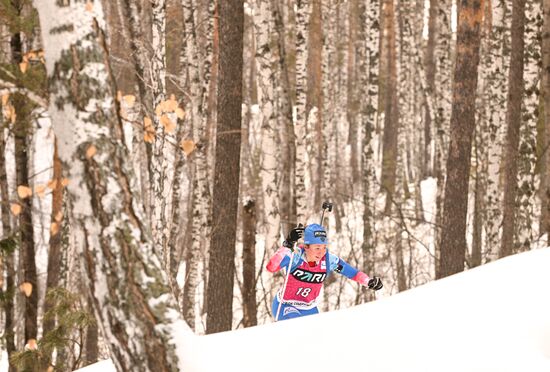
(286, 281)
(326, 206)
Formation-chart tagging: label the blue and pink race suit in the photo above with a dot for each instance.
(305, 281)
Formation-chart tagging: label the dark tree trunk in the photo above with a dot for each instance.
(221, 266)
(54, 254)
(21, 134)
(453, 237)
(91, 348)
(7, 255)
(249, 264)
(513, 120)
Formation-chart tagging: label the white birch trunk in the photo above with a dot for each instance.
(370, 118)
(165, 142)
(527, 179)
(131, 302)
(299, 115)
(494, 71)
(442, 104)
(265, 64)
(197, 120)
(329, 139)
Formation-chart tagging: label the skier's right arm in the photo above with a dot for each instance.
(279, 260)
(282, 256)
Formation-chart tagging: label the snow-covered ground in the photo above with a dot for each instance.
(492, 318)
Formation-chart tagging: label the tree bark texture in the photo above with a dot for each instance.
(125, 280)
(269, 171)
(54, 254)
(545, 184)
(22, 133)
(7, 256)
(226, 182)
(249, 263)
(527, 157)
(299, 113)
(197, 118)
(513, 122)
(391, 124)
(453, 236)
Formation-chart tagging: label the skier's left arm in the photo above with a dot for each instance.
(342, 267)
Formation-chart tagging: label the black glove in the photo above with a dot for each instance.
(375, 283)
(293, 236)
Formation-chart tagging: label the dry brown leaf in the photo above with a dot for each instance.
(159, 109)
(26, 288)
(31, 344)
(12, 114)
(24, 191)
(59, 216)
(5, 98)
(52, 184)
(119, 95)
(123, 114)
(40, 190)
(187, 146)
(168, 125)
(15, 209)
(149, 136)
(130, 100)
(149, 131)
(180, 113)
(91, 151)
(89, 6)
(171, 105)
(23, 66)
(54, 228)
(147, 123)
(65, 182)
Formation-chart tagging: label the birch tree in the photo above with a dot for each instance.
(545, 161)
(527, 179)
(164, 144)
(287, 205)
(495, 63)
(266, 65)
(369, 18)
(125, 280)
(391, 123)
(453, 237)
(299, 113)
(197, 118)
(442, 109)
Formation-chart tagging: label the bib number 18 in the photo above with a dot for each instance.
(304, 292)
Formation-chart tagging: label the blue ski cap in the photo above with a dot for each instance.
(315, 234)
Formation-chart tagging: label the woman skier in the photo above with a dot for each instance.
(311, 265)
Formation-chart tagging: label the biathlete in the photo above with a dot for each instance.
(312, 263)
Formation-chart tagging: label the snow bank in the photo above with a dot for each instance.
(492, 318)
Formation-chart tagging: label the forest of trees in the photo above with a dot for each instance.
(154, 153)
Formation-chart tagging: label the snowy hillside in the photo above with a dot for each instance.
(492, 318)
